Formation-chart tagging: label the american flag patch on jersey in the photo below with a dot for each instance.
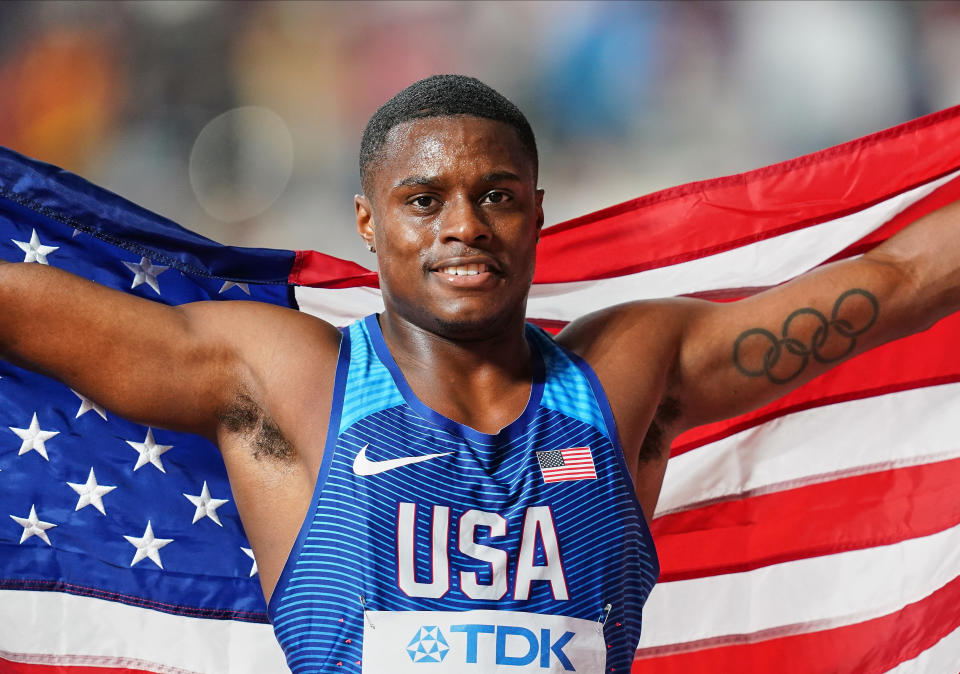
(574, 463)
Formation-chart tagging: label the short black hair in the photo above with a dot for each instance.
(443, 96)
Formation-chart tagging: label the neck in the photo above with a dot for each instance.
(483, 383)
(507, 349)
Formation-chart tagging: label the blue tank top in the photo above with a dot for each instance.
(433, 548)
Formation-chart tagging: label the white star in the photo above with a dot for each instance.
(34, 438)
(249, 553)
(86, 405)
(206, 506)
(32, 526)
(91, 493)
(148, 546)
(34, 251)
(145, 272)
(149, 452)
(245, 287)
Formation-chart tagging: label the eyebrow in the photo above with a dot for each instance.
(412, 181)
(496, 176)
(500, 175)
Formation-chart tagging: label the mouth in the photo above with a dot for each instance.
(464, 270)
(468, 273)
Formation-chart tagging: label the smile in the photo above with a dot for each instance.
(464, 270)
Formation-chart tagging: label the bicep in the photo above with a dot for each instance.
(144, 360)
(738, 356)
(210, 360)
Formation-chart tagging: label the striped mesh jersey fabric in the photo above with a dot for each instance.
(347, 557)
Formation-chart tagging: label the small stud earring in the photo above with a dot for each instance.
(371, 248)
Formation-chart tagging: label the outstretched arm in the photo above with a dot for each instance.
(714, 361)
(175, 367)
(735, 357)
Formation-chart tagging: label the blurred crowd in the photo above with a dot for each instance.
(242, 120)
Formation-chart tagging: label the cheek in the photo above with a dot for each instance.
(403, 235)
(403, 259)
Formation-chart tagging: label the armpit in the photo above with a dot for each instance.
(654, 443)
(247, 418)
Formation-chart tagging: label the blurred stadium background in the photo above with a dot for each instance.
(242, 120)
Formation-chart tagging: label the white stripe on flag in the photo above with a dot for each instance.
(104, 633)
(339, 306)
(849, 438)
(827, 591)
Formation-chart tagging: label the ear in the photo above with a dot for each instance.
(365, 224)
(539, 212)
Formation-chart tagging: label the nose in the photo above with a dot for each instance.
(464, 222)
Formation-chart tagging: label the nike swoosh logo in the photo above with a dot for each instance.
(364, 466)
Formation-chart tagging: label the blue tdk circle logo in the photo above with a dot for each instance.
(428, 645)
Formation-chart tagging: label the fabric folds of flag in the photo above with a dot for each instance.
(820, 533)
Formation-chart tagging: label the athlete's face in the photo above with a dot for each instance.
(453, 211)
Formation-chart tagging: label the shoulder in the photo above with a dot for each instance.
(624, 332)
(264, 337)
(632, 348)
(239, 318)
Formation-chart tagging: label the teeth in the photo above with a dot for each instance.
(464, 270)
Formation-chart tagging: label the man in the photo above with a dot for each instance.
(442, 460)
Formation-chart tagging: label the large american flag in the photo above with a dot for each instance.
(820, 533)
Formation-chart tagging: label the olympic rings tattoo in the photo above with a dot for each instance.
(799, 348)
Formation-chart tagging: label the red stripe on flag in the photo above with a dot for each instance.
(551, 325)
(708, 217)
(11, 667)
(940, 197)
(871, 646)
(311, 268)
(845, 514)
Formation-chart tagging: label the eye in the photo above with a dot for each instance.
(495, 197)
(423, 201)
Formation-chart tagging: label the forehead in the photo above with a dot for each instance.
(450, 146)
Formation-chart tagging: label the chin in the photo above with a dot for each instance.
(464, 329)
(470, 325)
